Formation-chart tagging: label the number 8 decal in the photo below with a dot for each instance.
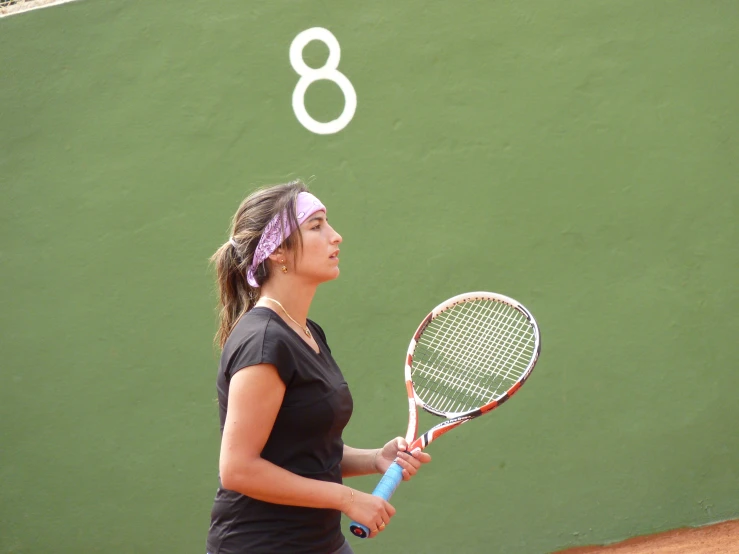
(329, 72)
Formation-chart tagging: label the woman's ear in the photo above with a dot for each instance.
(278, 256)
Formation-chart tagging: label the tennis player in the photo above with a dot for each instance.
(283, 400)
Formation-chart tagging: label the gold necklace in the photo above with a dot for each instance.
(305, 329)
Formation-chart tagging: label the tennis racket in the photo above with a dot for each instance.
(468, 356)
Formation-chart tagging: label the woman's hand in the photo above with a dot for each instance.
(396, 451)
(371, 511)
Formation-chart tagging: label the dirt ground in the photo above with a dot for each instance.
(721, 538)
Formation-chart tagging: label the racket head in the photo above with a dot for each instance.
(471, 353)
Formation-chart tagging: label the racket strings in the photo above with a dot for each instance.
(465, 346)
(438, 341)
(504, 346)
(456, 390)
(469, 353)
(516, 347)
(472, 349)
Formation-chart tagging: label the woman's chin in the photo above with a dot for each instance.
(326, 277)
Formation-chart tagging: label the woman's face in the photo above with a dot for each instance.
(319, 260)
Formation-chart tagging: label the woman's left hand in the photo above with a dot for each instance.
(396, 451)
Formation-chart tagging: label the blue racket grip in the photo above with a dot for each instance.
(384, 489)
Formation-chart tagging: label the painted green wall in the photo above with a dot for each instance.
(581, 157)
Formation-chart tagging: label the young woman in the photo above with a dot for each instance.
(283, 401)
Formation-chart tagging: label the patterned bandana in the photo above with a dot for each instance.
(278, 229)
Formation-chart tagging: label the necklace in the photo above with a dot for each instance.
(304, 328)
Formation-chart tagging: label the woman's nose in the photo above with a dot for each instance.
(336, 238)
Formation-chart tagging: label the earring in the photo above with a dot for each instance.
(284, 269)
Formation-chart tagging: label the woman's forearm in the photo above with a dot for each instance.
(359, 461)
(268, 482)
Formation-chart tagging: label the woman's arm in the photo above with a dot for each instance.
(254, 398)
(357, 461)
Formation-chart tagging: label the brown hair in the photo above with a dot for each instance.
(235, 295)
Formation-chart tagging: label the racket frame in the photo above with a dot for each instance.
(392, 477)
(455, 419)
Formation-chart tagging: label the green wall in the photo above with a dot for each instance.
(580, 157)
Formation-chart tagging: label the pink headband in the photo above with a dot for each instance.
(278, 229)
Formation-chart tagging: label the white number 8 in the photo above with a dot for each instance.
(328, 72)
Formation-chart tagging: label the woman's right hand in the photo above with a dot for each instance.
(371, 511)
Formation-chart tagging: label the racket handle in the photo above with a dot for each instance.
(384, 489)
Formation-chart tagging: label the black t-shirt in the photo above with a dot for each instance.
(305, 439)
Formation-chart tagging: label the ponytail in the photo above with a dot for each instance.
(236, 296)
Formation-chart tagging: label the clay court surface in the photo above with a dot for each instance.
(722, 538)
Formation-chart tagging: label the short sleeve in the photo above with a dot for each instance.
(262, 344)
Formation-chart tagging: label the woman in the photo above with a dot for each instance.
(283, 400)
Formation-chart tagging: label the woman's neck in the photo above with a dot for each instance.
(295, 299)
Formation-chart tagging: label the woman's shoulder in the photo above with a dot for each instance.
(262, 328)
(256, 338)
(255, 324)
